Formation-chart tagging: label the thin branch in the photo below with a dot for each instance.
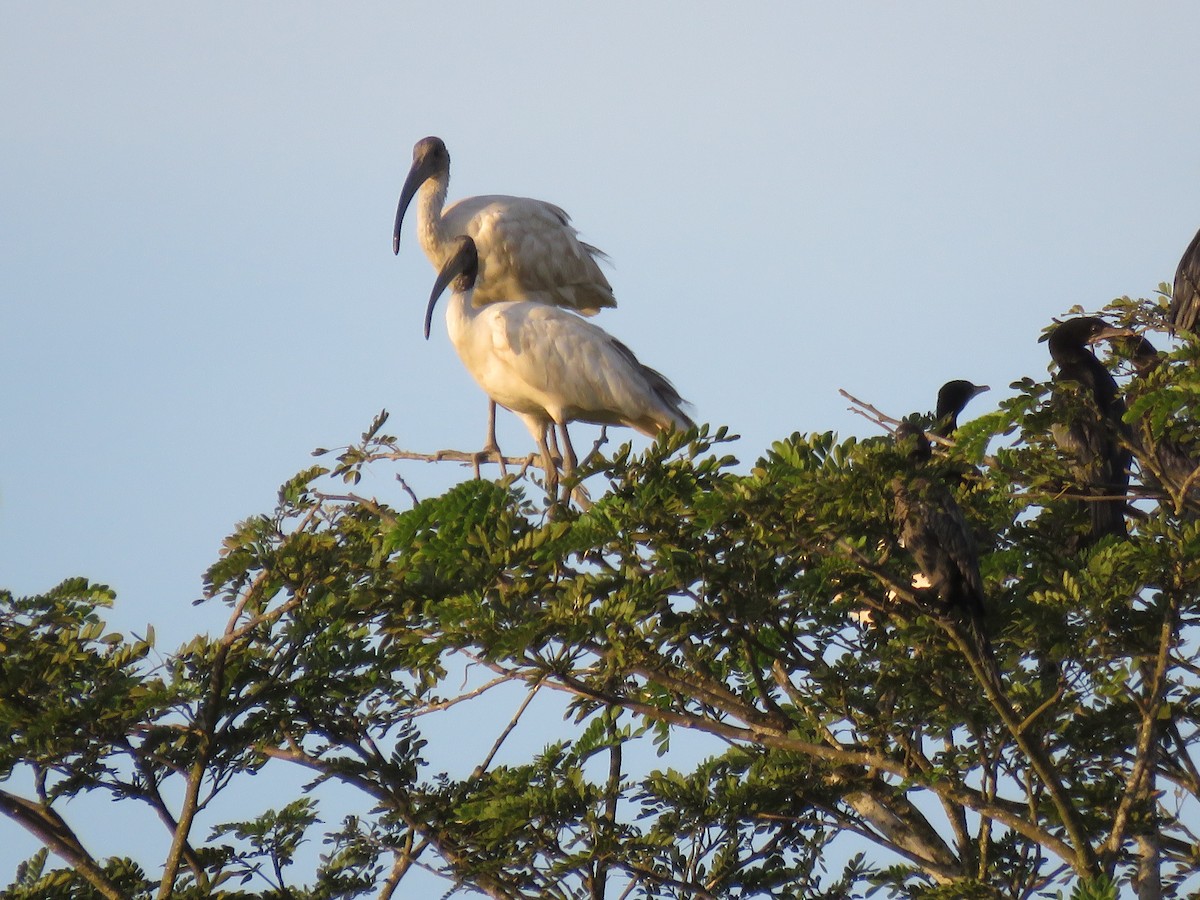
(209, 715)
(487, 761)
(1086, 862)
(373, 505)
(869, 412)
(400, 805)
(408, 490)
(1135, 784)
(461, 698)
(692, 889)
(462, 456)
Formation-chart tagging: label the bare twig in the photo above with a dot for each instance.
(462, 456)
(408, 490)
(869, 412)
(487, 761)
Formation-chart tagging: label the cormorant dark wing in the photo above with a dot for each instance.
(1185, 293)
(1092, 437)
(934, 530)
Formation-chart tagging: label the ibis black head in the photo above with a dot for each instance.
(460, 269)
(430, 158)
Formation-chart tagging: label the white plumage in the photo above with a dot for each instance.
(548, 365)
(527, 248)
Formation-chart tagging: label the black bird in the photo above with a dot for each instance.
(1185, 294)
(952, 398)
(931, 526)
(1100, 464)
(1164, 460)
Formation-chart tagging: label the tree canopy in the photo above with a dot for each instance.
(853, 734)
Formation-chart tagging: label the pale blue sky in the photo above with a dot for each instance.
(198, 284)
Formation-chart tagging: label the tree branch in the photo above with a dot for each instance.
(1139, 776)
(48, 826)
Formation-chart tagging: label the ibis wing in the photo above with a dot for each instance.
(529, 251)
(577, 371)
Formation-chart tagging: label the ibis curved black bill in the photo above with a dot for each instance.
(423, 168)
(461, 269)
(430, 159)
(414, 181)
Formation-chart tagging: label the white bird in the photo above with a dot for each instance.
(548, 365)
(527, 248)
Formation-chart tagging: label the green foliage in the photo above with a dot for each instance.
(1101, 888)
(748, 679)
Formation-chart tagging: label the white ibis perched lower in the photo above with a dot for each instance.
(549, 366)
(527, 248)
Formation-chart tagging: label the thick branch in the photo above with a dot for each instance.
(48, 827)
(907, 829)
(957, 793)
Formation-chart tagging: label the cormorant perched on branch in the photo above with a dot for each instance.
(1163, 459)
(933, 529)
(1100, 464)
(952, 398)
(1185, 294)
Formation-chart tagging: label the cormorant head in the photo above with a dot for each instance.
(954, 396)
(1073, 335)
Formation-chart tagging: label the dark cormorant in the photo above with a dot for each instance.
(952, 398)
(1100, 464)
(934, 530)
(1163, 459)
(1185, 294)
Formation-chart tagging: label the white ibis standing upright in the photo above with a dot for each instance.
(1185, 293)
(527, 248)
(548, 365)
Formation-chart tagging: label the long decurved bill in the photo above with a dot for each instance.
(461, 268)
(423, 167)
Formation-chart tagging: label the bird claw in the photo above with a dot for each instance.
(489, 453)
